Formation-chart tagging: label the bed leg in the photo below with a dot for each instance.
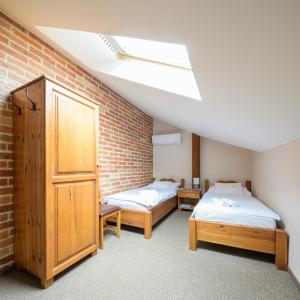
(148, 225)
(281, 256)
(192, 234)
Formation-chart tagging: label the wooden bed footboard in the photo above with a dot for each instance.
(146, 219)
(272, 241)
(140, 219)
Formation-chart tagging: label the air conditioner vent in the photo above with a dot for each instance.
(167, 139)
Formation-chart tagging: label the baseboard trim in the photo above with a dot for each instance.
(294, 278)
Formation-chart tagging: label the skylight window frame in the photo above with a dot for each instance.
(123, 54)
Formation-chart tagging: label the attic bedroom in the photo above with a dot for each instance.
(149, 150)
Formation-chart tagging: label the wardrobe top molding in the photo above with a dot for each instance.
(43, 77)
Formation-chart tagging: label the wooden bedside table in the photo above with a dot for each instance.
(194, 195)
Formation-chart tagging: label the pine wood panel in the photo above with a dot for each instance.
(148, 225)
(281, 259)
(133, 218)
(73, 259)
(193, 196)
(190, 194)
(74, 176)
(75, 131)
(75, 223)
(163, 209)
(56, 209)
(83, 215)
(192, 234)
(63, 222)
(239, 236)
(272, 241)
(29, 189)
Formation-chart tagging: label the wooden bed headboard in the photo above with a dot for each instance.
(247, 183)
(182, 181)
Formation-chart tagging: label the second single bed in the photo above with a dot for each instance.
(143, 207)
(228, 214)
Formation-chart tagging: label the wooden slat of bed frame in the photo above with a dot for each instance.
(163, 209)
(251, 238)
(133, 218)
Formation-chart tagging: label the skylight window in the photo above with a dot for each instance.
(166, 53)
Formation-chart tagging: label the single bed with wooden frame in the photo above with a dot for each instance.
(146, 219)
(271, 241)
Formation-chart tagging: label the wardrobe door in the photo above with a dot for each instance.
(75, 138)
(73, 181)
(75, 222)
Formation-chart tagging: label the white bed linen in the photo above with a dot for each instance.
(250, 212)
(131, 199)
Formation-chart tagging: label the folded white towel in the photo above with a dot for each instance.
(231, 203)
(226, 202)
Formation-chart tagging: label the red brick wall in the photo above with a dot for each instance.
(126, 153)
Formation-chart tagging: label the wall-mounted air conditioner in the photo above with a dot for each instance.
(167, 139)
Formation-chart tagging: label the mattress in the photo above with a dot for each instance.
(250, 211)
(126, 199)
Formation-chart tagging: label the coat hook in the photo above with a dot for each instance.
(19, 110)
(33, 107)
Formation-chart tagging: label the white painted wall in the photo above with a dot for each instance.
(218, 160)
(276, 181)
(223, 161)
(172, 161)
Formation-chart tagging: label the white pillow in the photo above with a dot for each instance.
(174, 185)
(161, 184)
(228, 188)
(245, 192)
(165, 185)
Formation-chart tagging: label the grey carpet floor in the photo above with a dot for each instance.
(160, 268)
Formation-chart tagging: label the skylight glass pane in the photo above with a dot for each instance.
(167, 53)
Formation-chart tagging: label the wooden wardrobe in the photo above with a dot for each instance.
(56, 192)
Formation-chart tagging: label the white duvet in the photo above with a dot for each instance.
(250, 211)
(146, 196)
